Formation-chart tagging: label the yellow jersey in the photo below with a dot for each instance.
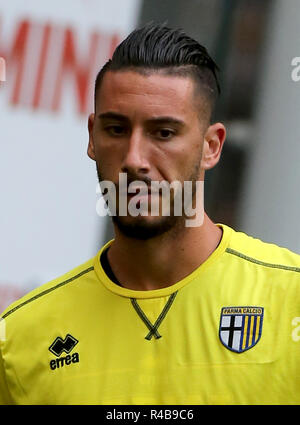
(228, 333)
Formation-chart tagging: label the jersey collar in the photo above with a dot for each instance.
(163, 292)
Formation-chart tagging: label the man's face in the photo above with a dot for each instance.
(152, 128)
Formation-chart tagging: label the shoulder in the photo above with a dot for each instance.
(254, 251)
(48, 293)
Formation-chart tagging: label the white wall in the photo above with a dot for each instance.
(48, 220)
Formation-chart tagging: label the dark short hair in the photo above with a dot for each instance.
(156, 47)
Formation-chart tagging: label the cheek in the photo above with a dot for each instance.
(108, 161)
(189, 161)
(185, 156)
(173, 164)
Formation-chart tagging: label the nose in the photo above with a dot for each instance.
(135, 160)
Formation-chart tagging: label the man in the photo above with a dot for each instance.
(166, 313)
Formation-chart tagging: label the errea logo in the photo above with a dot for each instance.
(63, 345)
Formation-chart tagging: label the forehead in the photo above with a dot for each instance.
(153, 92)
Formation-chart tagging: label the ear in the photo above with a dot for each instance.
(212, 147)
(91, 145)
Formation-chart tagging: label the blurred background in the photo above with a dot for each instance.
(53, 50)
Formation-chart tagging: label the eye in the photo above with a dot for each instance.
(115, 130)
(165, 133)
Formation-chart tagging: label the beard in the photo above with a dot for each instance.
(142, 229)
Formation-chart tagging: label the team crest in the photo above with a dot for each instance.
(240, 327)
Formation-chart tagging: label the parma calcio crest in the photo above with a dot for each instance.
(240, 327)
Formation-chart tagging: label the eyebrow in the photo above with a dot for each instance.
(113, 115)
(157, 120)
(167, 120)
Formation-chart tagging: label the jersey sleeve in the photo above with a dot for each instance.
(5, 398)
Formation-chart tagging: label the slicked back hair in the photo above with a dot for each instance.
(157, 48)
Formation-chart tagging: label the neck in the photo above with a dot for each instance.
(162, 261)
